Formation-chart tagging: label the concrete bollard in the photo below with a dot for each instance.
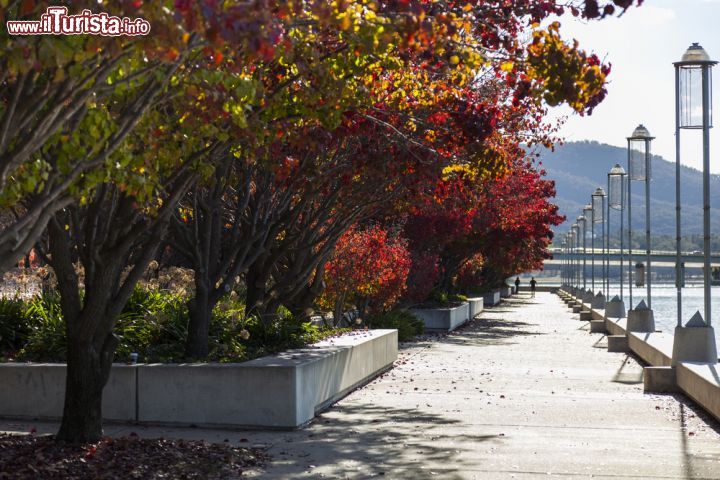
(598, 302)
(641, 319)
(615, 308)
(695, 342)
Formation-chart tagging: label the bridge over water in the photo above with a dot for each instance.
(660, 258)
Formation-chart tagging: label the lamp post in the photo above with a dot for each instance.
(616, 201)
(576, 246)
(639, 159)
(582, 225)
(568, 236)
(693, 110)
(587, 213)
(563, 246)
(598, 208)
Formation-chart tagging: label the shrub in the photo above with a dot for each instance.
(407, 324)
(46, 340)
(154, 325)
(14, 329)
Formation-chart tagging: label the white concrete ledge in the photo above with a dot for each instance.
(654, 348)
(491, 298)
(701, 382)
(282, 391)
(443, 319)
(476, 306)
(37, 390)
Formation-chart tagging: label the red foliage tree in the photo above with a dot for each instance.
(368, 270)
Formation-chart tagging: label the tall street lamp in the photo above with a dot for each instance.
(598, 208)
(615, 307)
(576, 246)
(693, 110)
(640, 318)
(583, 233)
(616, 201)
(587, 213)
(563, 269)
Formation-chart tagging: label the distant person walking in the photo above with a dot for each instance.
(517, 284)
(533, 283)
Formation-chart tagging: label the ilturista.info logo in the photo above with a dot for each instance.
(56, 21)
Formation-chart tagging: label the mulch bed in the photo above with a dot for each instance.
(41, 457)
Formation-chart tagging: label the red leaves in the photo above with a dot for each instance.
(369, 264)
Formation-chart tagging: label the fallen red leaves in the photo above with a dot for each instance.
(32, 457)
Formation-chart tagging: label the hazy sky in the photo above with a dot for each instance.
(641, 45)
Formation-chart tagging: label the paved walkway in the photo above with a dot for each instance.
(525, 391)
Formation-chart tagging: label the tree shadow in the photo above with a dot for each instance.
(387, 441)
(489, 331)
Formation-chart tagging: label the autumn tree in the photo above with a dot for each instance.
(368, 271)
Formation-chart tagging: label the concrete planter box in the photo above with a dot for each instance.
(443, 319)
(283, 391)
(506, 292)
(476, 306)
(37, 390)
(491, 299)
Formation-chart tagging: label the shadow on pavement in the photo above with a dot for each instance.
(381, 439)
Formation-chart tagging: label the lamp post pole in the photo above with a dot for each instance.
(607, 220)
(583, 228)
(648, 271)
(616, 201)
(598, 208)
(588, 214)
(695, 341)
(639, 170)
(706, 191)
(630, 257)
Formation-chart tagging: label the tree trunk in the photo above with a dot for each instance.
(256, 292)
(88, 369)
(199, 311)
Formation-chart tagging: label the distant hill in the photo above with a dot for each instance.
(578, 168)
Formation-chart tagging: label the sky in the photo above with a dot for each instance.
(642, 45)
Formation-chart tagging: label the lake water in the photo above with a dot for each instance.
(664, 304)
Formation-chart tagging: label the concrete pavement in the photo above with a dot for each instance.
(522, 392)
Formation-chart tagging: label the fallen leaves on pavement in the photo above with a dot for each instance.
(32, 457)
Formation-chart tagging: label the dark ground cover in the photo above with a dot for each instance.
(41, 457)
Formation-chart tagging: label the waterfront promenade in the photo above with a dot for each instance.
(522, 392)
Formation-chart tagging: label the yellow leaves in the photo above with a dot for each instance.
(345, 22)
(457, 170)
(507, 66)
(454, 60)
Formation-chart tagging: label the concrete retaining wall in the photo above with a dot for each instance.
(476, 306)
(443, 319)
(491, 299)
(283, 391)
(654, 348)
(701, 382)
